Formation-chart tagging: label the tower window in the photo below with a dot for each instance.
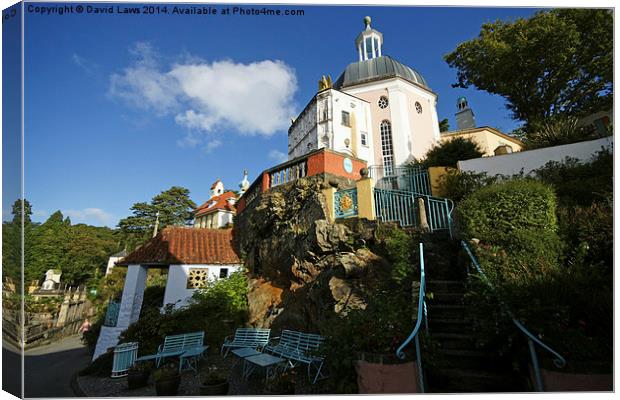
(364, 139)
(418, 107)
(346, 118)
(369, 48)
(386, 147)
(383, 102)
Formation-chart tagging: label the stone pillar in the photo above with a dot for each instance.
(365, 196)
(422, 210)
(329, 194)
(64, 310)
(133, 293)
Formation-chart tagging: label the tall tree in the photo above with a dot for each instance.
(557, 62)
(174, 207)
(444, 125)
(48, 246)
(12, 240)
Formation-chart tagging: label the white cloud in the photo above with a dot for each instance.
(254, 98)
(278, 156)
(90, 216)
(88, 66)
(212, 145)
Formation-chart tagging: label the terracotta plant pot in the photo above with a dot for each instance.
(137, 379)
(167, 386)
(218, 389)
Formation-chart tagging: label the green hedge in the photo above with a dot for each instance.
(496, 213)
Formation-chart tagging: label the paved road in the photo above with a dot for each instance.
(48, 369)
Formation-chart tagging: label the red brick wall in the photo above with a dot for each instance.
(333, 163)
(265, 182)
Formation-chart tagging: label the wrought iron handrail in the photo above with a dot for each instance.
(558, 360)
(416, 330)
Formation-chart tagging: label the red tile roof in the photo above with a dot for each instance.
(218, 203)
(215, 184)
(183, 245)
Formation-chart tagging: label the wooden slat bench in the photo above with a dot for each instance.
(187, 346)
(253, 338)
(298, 348)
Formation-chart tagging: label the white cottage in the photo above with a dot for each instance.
(52, 279)
(218, 211)
(192, 257)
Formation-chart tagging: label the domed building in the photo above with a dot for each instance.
(378, 110)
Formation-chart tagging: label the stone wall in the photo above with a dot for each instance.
(304, 269)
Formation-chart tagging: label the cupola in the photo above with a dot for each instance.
(369, 42)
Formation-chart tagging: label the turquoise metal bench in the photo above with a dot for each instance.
(189, 347)
(254, 338)
(124, 356)
(299, 348)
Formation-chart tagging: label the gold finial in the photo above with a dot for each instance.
(325, 82)
(367, 21)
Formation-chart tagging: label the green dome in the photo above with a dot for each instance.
(376, 69)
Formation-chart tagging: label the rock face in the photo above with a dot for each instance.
(304, 269)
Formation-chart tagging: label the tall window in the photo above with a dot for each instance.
(386, 147)
(346, 119)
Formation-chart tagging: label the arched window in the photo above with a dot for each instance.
(386, 147)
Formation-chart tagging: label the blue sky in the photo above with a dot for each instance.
(121, 107)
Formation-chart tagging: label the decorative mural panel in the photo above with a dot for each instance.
(345, 203)
(197, 278)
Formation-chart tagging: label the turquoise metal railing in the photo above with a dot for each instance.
(111, 315)
(422, 316)
(395, 206)
(411, 179)
(439, 213)
(402, 207)
(345, 203)
(558, 360)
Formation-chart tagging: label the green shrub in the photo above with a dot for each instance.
(588, 234)
(217, 310)
(494, 214)
(456, 185)
(579, 183)
(448, 153)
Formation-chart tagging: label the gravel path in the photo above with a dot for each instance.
(96, 386)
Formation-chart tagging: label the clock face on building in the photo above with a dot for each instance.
(348, 165)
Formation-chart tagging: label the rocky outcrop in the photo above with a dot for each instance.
(304, 269)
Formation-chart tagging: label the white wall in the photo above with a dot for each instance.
(310, 126)
(177, 292)
(511, 164)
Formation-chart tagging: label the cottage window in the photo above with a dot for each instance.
(197, 278)
(223, 273)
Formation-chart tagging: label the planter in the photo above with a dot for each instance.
(375, 378)
(137, 379)
(554, 381)
(167, 386)
(279, 390)
(218, 389)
